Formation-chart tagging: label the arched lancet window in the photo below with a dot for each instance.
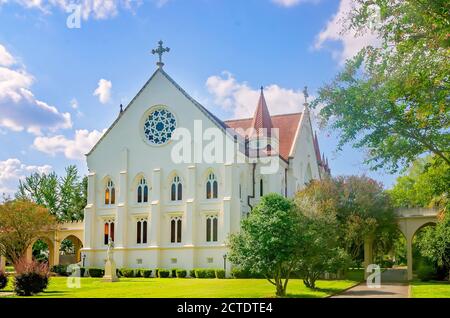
(176, 190)
(141, 231)
(175, 229)
(142, 191)
(261, 187)
(211, 228)
(108, 231)
(212, 186)
(110, 193)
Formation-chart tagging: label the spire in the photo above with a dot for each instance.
(121, 108)
(261, 118)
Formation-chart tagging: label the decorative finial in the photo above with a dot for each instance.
(305, 93)
(121, 108)
(160, 50)
(262, 88)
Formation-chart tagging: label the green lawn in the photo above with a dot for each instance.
(431, 289)
(184, 288)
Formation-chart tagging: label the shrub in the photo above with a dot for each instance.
(200, 273)
(192, 273)
(60, 270)
(173, 272)
(3, 279)
(82, 271)
(146, 273)
(163, 273)
(31, 277)
(426, 272)
(181, 273)
(157, 272)
(210, 273)
(220, 273)
(237, 272)
(96, 272)
(127, 272)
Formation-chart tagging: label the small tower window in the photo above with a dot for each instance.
(110, 193)
(212, 187)
(176, 190)
(142, 191)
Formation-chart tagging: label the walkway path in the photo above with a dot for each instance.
(393, 285)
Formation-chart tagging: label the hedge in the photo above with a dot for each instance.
(96, 272)
(205, 273)
(192, 273)
(181, 273)
(236, 272)
(220, 273)
(163, 273)
(145, 272)
(127, 272)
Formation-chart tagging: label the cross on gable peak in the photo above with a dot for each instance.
(160, 50)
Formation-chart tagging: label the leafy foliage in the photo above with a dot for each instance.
(31, 277)
(426, 184)
(392, 99)
(3, 279)
(360, 207)
(65, 197)
(21, 222)
(435, 241)
(268, 241)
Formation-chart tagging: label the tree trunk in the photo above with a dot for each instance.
(281, 292)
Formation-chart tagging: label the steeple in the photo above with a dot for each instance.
(261, 118)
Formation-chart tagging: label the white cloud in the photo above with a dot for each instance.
(241, 100)
(103, 91)
(20, 109)
(291, 3)
(6, 59)
(96, 9)
(334, 31)
(12, 170)
(74, 149)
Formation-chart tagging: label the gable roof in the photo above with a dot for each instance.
(286, 123)
(206, 112)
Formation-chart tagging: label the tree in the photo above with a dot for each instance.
(21, 222)
(65, 197)
(320, 252)
(268, 241)
(392, 99)
(426, 184)
(361, 208)
(435, 242)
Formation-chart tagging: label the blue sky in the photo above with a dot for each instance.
(222, 51)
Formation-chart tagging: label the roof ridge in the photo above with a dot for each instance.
(249, 118)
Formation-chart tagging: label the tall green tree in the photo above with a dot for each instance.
(426, 184)
(268, 241)
(392, 99)
(361, 207)
(65, 197)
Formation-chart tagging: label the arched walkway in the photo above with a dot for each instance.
(409, 221)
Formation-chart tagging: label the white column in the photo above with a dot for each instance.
(155, 214)
(189, 213)
(409, 256)
(89, 213)
(122, 206)
(227, 197)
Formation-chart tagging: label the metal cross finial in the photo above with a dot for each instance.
(305, 93)
(160, 50)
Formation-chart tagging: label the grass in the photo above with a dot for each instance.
(183, 288)
(432, 289)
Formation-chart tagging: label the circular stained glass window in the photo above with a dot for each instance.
(159, 126)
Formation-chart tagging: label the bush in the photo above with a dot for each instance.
(200, 273)
(210, 273)
(146, 273)
(157, 272)
(192, 273)
(173, 272)
(127, 272)
(60, 270)
(82, 271)
(3, 279)
(426, 272)
(237, 272)
(96, 272)
(181, 273)
(163, 273)
(220, 273)
(31, 278)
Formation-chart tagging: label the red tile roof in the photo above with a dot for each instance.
(286, 123)
(261, 118)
